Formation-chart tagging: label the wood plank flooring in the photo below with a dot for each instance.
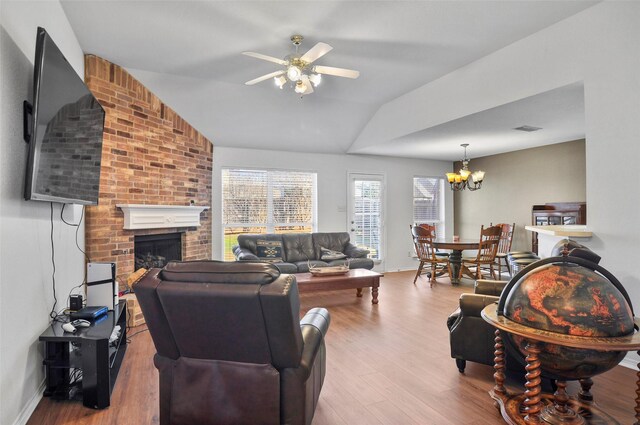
(387, 364)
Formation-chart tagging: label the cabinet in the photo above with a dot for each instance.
(85, 364)
(557, 213)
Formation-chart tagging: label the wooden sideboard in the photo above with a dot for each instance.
(557, 213)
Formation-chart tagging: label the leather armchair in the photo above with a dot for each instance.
(231, 348)
(470, 337)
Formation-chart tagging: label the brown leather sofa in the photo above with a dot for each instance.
(231, 348)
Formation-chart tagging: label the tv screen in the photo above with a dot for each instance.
(65, 147)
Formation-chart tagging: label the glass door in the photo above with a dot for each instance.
(366, 209)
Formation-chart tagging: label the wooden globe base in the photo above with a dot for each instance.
(512, 407)
(533, 407)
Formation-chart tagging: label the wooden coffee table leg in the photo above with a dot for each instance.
(374, 293)
(359, 292)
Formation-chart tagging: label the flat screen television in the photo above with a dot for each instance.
(65, 132)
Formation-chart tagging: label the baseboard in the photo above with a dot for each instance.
(629, 363)
(28, 409)
(400, 270)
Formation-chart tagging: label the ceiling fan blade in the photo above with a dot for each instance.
(338, 72)
(316, 52)
(264, 77)
(266, 58)
(305, 80)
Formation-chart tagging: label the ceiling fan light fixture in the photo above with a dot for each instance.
(300, 87)
(294, 73)
(280, 81)
(300, 69)
(315, 79)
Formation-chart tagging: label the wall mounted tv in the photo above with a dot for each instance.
(65, 132)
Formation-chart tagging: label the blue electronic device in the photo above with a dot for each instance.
(89, 313)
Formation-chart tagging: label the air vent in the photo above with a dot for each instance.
(528, 128)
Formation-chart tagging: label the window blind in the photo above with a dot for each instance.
(367, 215)
(266, 201)
(428, 202)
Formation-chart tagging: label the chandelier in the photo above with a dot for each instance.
(465, 179)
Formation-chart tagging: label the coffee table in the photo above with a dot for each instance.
(353, 279)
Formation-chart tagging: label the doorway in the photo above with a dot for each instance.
(366, 213)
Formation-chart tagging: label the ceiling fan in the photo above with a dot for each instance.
(299, 69)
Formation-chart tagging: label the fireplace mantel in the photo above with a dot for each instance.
(137, 216)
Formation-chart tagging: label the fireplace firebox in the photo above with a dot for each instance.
(157, 250)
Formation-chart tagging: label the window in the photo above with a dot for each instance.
(266, 201)
(428, 202)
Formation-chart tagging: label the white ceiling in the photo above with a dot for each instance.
(559, 114)
(189, 54)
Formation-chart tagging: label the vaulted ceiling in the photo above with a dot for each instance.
(189, 54)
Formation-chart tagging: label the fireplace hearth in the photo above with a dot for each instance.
(153, 251)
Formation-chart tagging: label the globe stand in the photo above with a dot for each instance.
(560, 413)
(535, 407)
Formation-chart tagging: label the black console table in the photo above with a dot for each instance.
(90, 351)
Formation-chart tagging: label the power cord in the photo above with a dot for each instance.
(136, 333)
(60, 316)
(53, 314)
(77, 226)
(87, 259)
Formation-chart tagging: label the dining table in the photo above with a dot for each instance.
(455, 258)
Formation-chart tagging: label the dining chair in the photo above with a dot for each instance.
(423, 237)
(487, 250)
(432, 227)
(504, 247)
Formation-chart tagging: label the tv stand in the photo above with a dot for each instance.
(87, 350)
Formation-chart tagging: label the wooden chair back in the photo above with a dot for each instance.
(488, 247)
(423, 237)
(506, 237)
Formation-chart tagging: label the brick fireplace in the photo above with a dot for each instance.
(150, 156)
(156, 250)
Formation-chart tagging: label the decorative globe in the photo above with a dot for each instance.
(570, 299)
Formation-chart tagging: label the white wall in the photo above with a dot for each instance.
(516, 181)
(599, 47)
(332, 191)
(25, 252)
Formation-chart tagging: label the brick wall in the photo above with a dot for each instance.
(150, 155)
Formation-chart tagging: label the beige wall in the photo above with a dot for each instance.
(517, 180)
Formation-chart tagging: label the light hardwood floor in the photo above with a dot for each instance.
(387, 364)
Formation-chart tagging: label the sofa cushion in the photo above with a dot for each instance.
(330, 255)
(286, 268)
(303, 266)
(336, 241)
(269, 250)
(354, 263)
(249, 241)
(298, 247)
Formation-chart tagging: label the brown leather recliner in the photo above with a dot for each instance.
(470, 337)
(231, 348)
